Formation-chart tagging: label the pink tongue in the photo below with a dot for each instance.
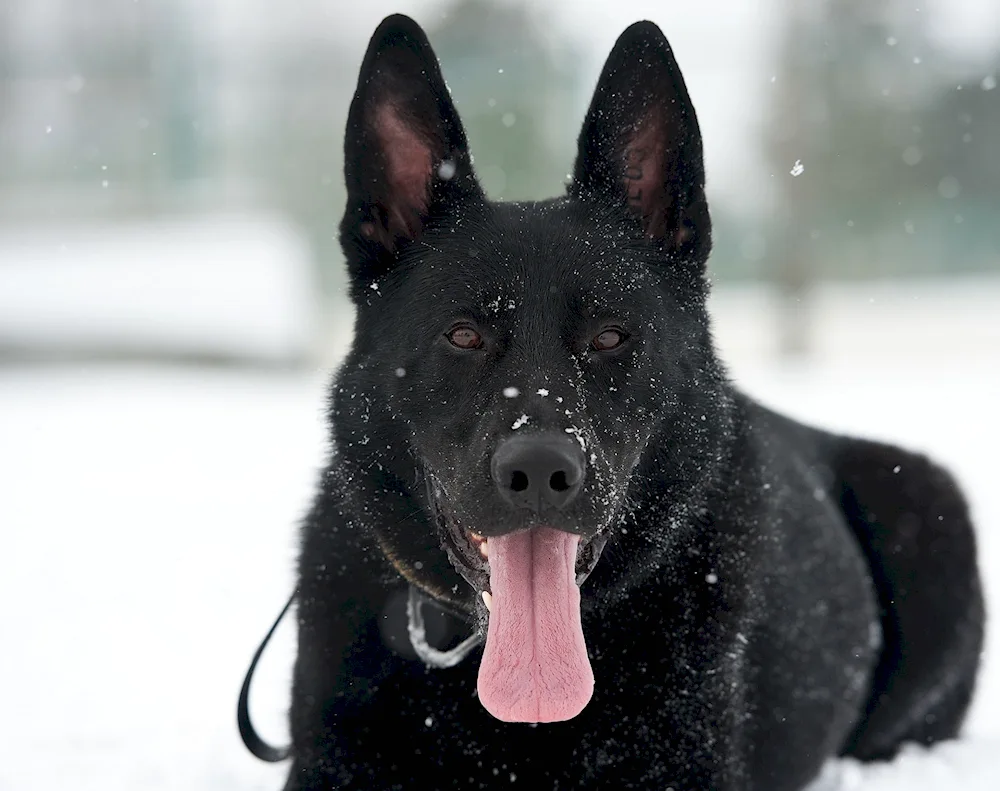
(535, 666)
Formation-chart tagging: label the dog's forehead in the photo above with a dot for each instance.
(534, 255)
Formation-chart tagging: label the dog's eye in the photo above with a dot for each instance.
(465, 338)
(608, 340)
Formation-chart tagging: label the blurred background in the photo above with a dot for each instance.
(172, 302)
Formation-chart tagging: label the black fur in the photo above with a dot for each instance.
(770, 595)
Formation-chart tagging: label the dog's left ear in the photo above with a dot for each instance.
(405, 151)
(640, 144)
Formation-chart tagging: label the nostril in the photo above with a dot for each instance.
(518, 481)
(557, 481)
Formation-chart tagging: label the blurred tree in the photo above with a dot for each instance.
(959, 170)
(295, 146)
(177, 62)
(516, 87)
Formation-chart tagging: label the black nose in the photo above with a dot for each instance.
(539, 471)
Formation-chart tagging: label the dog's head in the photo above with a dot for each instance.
(526, 360)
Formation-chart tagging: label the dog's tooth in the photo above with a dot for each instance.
(488, 600)
(484, 548)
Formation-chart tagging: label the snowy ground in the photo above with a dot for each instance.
(146, 540)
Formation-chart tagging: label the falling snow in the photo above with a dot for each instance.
(446, 170)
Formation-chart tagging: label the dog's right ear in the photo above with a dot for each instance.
(405, 152)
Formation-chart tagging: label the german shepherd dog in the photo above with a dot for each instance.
(554, 547)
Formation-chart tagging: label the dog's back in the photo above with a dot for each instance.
(912, 523)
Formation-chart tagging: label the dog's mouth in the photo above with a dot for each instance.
(469, 553)
(535, 666)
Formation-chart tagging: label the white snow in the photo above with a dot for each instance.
(147, 531)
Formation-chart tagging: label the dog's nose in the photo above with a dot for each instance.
(539, 471)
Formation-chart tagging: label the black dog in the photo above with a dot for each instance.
(533, 383)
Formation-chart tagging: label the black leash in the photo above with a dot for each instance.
(431, 657)
(248, 733)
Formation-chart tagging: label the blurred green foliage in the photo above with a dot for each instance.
(129, 109)
(900, 145)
